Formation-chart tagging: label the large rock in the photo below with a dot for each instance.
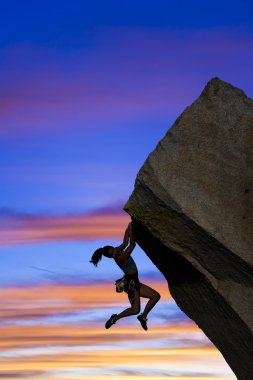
(192, 212)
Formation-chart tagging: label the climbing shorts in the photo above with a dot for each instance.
(132, 284)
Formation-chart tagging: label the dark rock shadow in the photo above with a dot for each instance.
(198, 299)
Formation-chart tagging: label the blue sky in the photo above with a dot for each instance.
(61, 22)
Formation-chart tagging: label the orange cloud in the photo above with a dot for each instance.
(35, 229)
(25, 303)
(31, 347)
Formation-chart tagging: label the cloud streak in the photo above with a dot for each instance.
(84, 348)
(107, 223)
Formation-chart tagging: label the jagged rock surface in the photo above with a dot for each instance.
(192, 212)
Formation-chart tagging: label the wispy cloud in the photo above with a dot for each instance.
(127, 72)
(18, 228)
(21, 374)
(22, 303)
(32, 342)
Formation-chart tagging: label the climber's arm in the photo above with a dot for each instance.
(122, 246)
(127, 252)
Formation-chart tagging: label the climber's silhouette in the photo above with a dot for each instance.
(132, 286)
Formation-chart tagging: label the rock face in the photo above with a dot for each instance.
(192, 212)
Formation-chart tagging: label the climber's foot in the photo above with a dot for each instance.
(111, 321)
(143, 321)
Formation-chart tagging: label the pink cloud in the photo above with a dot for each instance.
(33, 343)
(24, 229)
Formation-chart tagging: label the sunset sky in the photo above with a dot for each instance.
(87, 90)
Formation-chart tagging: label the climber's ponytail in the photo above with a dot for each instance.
(97, 256)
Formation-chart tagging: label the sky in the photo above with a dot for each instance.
(87, 90)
